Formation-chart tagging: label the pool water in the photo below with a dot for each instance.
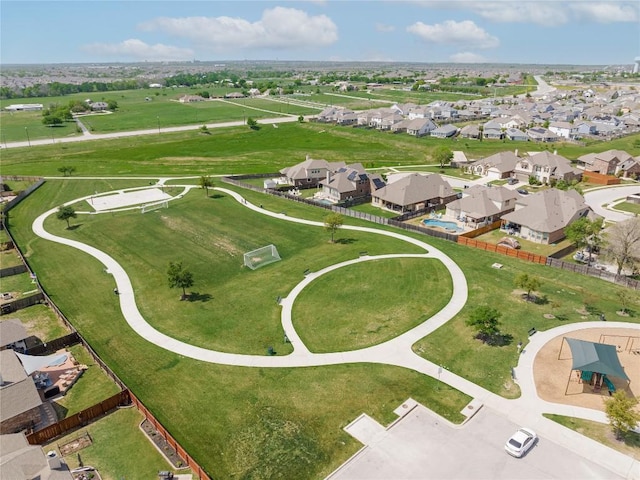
(430, 222)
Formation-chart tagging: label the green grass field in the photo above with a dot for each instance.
(313, 403)
(242, 150)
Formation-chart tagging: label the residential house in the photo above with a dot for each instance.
(328, 115)
(234, 95)
(99, 106)
(389, 120)
(563, 129)
(470, 131)
(13, 335)
(492, 130)
(459, 160)
(19, 398)
(192, 98)
(346, 183)
(516, 135)
(346, 117)
(540, 134)
(445, 131)
(546, 167)
(585, 128)
(19, 461)
(496, 166)
(605, 163)
(629, 168)
(309, 173)
(420, 127)
(413, 192)
(543, 216)
(481, 205)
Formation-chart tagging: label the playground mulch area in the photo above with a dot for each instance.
(555, 382)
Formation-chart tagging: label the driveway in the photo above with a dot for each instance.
(423, 446)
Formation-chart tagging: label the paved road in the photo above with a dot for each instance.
(599, 199)
(527, 410)
(154, 131)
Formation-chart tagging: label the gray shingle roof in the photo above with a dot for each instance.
(18, 393)
(11, 330)
(549, 210)
(414, 188)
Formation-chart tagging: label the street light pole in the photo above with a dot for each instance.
(26, 130)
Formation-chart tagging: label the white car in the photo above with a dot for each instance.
(520, 442)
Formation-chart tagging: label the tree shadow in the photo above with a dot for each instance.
(345, 241)
(592, 310)
(496, 339)
(198, 297)
(74, 227)
(542, 300)
(216, 195)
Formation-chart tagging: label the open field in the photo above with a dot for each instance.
(242, 150)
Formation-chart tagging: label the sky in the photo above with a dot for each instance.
(575, 32)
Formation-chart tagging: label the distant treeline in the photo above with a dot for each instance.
(57, 89)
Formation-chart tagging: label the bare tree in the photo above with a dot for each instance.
(622, 242)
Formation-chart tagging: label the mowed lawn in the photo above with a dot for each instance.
(231, 308)
(370, 302)
(237, 422)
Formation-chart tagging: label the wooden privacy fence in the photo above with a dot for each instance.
(9, 271)
(19, 303)
(599, 178)
(80, 419)
(197, 470)
(55, 345)
(509, 252)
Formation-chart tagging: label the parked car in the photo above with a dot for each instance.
(520, 442)
(522, 191)
(512, 181)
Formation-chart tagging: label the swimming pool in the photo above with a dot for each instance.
(430, 222)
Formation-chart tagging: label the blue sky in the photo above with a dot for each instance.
(604, 32)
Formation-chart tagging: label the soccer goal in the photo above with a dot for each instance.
(149, 207)
(261, 257)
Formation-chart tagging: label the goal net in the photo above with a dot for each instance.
(261, 257)
(149, 207)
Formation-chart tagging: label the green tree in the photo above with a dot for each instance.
(528, 283)
(622, 243)
(66, 170)
(585, 233)
(252, 123)
(179, 277)
(442, 154)
(301, 119)
(332, 223)
(206, 182)
(112, 105)
(620, 410)
(485, 320)
(51, 120)
(65, 213)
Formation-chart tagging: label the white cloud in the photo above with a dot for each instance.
(139, 50)
(544, 12)
(606, 12)
(381, 27)
(465, 33)
(278, 28)
(467, 57)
